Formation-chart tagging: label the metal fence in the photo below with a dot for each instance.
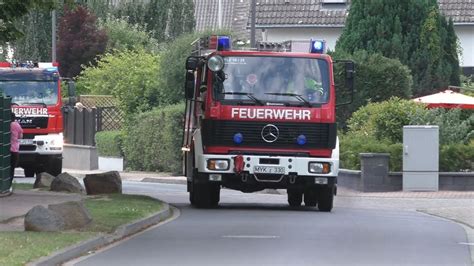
(5, 111)
(109, 118)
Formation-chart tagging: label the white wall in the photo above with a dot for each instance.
(464, 33)
(466, 37)
(285, 34)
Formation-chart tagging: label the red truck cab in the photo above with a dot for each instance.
(261, 119)
(35, 89)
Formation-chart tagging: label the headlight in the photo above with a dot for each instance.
(319, 168)
(57, 141)
(218, 164)
(215, 63)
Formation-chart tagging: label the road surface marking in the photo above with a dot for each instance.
(464, 243)
(251, 236)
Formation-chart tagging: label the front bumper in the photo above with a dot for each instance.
(51, 144)
(293, 166)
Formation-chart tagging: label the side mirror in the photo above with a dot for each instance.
(349, 74)
(349, 66)
(189, 86)
(192, 63)
(71, 91)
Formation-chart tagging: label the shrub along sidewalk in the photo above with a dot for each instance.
(107, 211)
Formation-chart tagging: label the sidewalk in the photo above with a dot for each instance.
(15, 206)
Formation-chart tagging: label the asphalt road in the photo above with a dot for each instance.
(259, 229)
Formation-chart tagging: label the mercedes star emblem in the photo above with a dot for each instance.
(270, 133)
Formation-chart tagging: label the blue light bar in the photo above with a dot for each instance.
(317, 46)
(223, 43)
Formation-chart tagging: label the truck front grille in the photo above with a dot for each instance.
(221, 133)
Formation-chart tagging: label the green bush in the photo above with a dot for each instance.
(385, 120)
(455, 125)
(153, 140)
(456, 157)
(377, 79)
(351, 147)
(452, 157)
(109, 143)
(130, 76)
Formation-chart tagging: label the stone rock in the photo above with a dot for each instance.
(103, 183)
(67, 183)
(74, 214)
(43, 180)
(41, 219)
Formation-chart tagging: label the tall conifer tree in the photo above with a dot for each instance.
(412, 31)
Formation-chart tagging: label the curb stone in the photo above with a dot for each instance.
(122, 231)
(164, 181)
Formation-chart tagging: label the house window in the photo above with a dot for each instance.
(334, 4)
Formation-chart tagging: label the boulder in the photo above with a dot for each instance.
(43, 180)
(74, 214)
(103, 183)
(41, 219)
(67, 183)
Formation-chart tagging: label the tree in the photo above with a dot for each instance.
(80, 41)
(164, 19)
(123, 36)
(130, 76)
(410, 30)
(36, 43)
(10, 11)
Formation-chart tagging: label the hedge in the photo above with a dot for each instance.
(109, 143)
(452, 157)
(153, 140)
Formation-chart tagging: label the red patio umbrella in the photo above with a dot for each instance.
(447, 99)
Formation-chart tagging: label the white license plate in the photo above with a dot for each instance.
(269, 170)
(25, 141)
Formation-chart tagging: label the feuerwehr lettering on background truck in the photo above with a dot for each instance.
(260, 119)
(35, 89)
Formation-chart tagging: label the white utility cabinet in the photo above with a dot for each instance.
(420, 158)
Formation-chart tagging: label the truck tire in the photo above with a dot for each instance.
(325, 198)
(29, 172)
(295, 197)
(205, 195)
(55, 166)
(310, 197)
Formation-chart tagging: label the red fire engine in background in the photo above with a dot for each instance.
(35, 89)
(260, 119)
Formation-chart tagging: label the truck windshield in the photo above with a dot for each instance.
(31, 92)
(279, 80)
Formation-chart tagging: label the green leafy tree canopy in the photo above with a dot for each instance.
(129, 75)
(10, 11)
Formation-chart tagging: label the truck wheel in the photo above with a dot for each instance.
(325, 198)
(205, 195)
(215, 194)
(295, 197)
(55, 166)
(29, 172)
(310, 197)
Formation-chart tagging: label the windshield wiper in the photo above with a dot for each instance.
(297, 96)
(250, 95)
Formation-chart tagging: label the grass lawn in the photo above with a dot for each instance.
(107, 211)
(22, 186)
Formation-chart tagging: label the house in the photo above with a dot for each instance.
(280, 20)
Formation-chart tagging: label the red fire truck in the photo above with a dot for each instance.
(36, 100)
(260, 119)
